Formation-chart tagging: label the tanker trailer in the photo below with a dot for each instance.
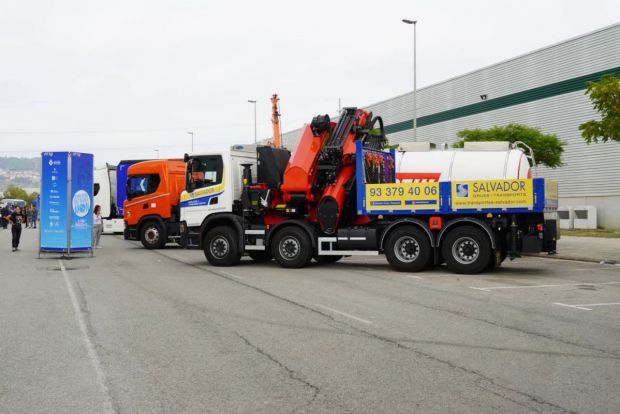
(417, 162)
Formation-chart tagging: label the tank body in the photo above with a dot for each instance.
(454, 165)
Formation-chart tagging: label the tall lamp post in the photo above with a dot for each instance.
(254, 102)
(192, 134)
(415, 89)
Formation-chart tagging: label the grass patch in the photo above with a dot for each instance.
(609, 234)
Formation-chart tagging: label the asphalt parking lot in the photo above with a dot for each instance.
(137, 331)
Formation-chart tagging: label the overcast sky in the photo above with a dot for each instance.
(122, 78)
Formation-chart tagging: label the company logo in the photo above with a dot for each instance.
(51, 162)
(81, 203)
(462, 190)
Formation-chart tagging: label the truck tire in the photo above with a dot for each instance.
(152, 235)
(221, 246)
(260, 255)
(327, 258)
(292, 248)
(408, 249)
(467, 250)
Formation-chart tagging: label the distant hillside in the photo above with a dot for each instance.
(23, 172)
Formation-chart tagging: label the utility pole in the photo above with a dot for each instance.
(254, 102)
(415, 87)
(192, 134)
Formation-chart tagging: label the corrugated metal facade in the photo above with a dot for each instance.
(543, 89)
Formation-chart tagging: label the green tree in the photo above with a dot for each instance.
(547, 148)
(14, 191)
(605, 97)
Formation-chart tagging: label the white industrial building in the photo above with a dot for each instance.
(543, 89)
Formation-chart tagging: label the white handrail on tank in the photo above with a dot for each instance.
(530, 156)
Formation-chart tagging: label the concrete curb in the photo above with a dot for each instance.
(573, 258)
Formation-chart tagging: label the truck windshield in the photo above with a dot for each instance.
(139, 185)
(204, 172)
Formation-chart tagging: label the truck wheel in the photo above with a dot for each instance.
(408, 249)
(327, 258)
(292, 247)
(221, 246)
(152, 235)
(260, 256)
(467, 250)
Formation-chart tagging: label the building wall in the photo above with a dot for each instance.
(606, 208)
(542, 89)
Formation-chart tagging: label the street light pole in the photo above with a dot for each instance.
(415, 86)
(192, 134)
(254, 102)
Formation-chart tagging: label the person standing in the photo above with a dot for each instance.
(28, 216)
(16, 218)
(97, 226)
(34, 216)
(3, 213)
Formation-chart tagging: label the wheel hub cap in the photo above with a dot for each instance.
(407, 249)
(289, 248)
(465, 250)
(152, 235)
(219, 247)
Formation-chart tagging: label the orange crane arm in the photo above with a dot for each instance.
(275, 120)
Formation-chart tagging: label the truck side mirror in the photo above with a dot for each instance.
(185, 157)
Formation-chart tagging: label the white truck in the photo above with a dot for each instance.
(105, 196)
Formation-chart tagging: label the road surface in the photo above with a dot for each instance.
(138, 331)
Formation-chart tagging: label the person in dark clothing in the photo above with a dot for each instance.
(16, 218)
(3, 213)
(34, 217)
(28, 211)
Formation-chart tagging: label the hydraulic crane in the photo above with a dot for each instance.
(275, 121)
(320, 175)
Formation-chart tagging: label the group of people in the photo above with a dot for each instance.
(16, 216)
(30, 215)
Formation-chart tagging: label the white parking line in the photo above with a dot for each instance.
(108, 407)
(586, 306)
(348, 315)
(414, 277)
(488, 289)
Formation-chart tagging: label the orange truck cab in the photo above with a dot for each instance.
(151, 210)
